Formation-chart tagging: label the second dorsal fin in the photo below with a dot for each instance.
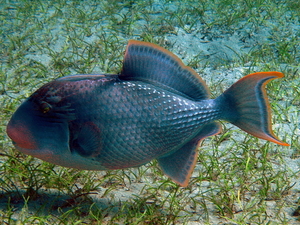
(150, 63)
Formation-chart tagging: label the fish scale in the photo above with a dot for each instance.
(156, 108)
(162, 132)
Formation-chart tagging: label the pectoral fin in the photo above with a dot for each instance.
(87, 143)
(180, 164)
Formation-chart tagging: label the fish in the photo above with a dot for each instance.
(156, 108)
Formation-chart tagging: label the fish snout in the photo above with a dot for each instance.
(21, 136)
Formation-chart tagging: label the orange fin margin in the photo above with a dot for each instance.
(246, 105)
(180, 164)
(151, 63)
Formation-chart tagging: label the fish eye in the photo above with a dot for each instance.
(45, 107)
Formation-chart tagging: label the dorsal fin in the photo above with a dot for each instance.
(151, 63)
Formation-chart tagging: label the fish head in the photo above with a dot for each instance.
(39, 128)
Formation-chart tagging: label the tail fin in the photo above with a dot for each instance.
(245, 104)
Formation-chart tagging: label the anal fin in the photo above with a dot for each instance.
(180, 164)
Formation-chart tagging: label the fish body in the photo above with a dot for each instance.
(156, 108)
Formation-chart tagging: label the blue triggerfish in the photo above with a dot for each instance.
(156, 108)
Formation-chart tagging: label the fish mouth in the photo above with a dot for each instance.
(24, 142)
(21, 137)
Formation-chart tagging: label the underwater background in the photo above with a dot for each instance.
(238, 179)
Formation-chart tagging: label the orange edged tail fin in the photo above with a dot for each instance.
(246, 105)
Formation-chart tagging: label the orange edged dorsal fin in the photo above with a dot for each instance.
(151, 63)
(180, 164)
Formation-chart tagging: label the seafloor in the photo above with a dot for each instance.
(222, 40)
